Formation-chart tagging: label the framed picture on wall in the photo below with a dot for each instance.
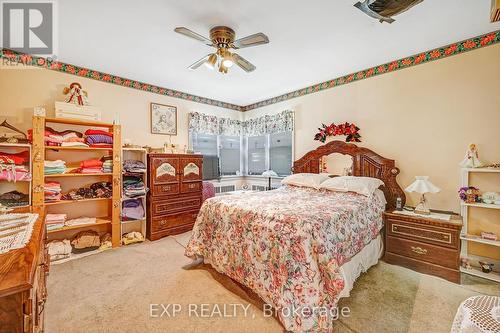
(163, 119)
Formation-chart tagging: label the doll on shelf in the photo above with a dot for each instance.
(76, 95)
(471, 159)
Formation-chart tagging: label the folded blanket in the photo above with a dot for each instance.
(98, 132)
(17, 159)
(94, 163)
(98, 138)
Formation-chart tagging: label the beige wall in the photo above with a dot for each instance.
(423, 117)
(22, 89)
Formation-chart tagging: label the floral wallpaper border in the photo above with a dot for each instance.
(417, 59)
(36, 61)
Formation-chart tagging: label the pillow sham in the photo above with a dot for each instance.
(312, 180)
(362, 185)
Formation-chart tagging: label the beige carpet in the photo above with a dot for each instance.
(112, 292)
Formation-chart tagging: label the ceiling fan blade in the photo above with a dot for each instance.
(199, 62)
(243, 63)
(252, 40)
(191, 34)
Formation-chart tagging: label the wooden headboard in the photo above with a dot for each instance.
(365, 163)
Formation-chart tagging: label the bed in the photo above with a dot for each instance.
(299, 249)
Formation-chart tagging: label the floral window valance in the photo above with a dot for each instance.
(268, 124)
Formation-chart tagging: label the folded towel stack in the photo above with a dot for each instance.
(81, 221)
(99, 138)
(90, 166)
(54, 167)
(133, 187)
(52, 191)
(55, 221)
(14, 167)
(66, 138)
(134, 166)
(132, 210)
(14, 199)
(107, 164)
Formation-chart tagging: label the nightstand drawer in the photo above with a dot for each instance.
(423, 233)
(423, 251)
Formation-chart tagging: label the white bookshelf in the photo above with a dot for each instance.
(21, 186)
(139, 154)
(466, 237)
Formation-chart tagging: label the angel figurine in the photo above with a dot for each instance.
(76, 95)
(471, 159)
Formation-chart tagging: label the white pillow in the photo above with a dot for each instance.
(312, 180)
(362, 185)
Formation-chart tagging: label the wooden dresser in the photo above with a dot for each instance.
(174, 199)
(423, 244)
(22, 285)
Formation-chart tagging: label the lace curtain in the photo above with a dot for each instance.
(268, 124)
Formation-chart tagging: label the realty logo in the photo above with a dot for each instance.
(28, 27)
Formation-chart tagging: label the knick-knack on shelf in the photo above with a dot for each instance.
(471, 159)
(76, 95)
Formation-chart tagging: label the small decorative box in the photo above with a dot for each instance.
(73, 111)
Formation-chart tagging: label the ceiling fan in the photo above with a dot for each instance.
(223, 39)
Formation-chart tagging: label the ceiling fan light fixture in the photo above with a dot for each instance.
(222, 68)
(211, 61)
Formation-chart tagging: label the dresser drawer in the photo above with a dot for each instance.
(191, 187)
(175, 205)
(423, 251)
(424, 233)
(166, 189)
(172, 221)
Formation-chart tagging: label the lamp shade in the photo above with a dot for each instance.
(422, 185)
(269, 173)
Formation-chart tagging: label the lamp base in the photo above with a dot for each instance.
(422, 209)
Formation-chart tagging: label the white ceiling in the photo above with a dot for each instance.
(310, 41)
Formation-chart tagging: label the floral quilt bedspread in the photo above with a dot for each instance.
(287, 245)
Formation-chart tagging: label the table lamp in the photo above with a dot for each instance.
(269, 174)
(422, 185)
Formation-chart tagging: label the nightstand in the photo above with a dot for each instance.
(424, 244)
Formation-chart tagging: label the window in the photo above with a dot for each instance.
(280, 153)
(257, 154)
(205, 144)
(230, 154)
(265, 152)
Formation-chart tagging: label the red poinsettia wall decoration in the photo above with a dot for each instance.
(351, 131)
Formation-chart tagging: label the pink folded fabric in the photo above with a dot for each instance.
(90, 170)
(15, 176)
(91, 164)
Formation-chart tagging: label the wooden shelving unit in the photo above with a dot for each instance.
(21, 186)
(110, 205)
(466, 237)
(139, 154)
